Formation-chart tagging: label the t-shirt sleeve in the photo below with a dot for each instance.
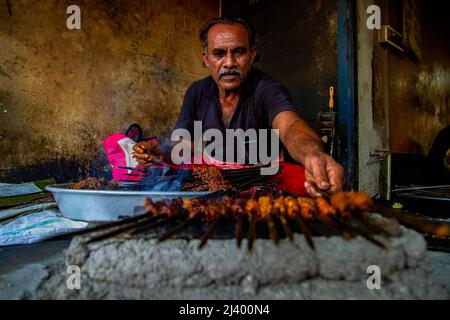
(187, 113)
(274, 98)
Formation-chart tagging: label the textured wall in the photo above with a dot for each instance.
(402, 103)
(419, 99)
(62, 91)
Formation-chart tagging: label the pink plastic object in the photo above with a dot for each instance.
(119, 152)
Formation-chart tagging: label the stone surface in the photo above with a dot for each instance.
(440, 267)
(421, 286)
(22, 284)
(176, 269)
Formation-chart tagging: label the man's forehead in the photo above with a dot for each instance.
(227, 33)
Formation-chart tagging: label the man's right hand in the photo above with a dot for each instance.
(147, 153)
(323, 174)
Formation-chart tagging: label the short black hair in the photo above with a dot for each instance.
(203, 34)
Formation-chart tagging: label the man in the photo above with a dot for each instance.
(237, 96)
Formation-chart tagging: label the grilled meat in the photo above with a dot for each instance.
(350, 202)
(91, 183)
(260, 209)
(206, 178)
(324, 208)
(307, 208)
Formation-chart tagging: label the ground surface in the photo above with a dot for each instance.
(24, 269)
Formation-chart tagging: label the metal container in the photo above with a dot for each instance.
(107, 205)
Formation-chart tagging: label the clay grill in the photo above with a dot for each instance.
(239, 244)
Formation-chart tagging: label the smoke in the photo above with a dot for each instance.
(164, 178)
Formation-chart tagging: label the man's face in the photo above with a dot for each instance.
(229, 57)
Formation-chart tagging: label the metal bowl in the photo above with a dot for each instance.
(107, 205)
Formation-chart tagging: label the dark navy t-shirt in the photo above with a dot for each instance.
(261, 99)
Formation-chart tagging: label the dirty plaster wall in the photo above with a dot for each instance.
(419, 92)
(63, 91)
(402, 103)
(297, 45)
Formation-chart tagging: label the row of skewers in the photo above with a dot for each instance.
(263, 207)
(284, 213)
(200, 178)
(196, 178)
(267, 209)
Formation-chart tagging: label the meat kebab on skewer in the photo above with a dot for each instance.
(279, 209)
(264, 208)
(342, 204)
(265, 204)
(351, 202)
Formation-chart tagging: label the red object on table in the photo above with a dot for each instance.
(291, 178)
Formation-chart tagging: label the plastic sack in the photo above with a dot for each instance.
(36, 227)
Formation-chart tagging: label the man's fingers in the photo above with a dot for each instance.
(137, 149)
(142, 147)
(311, 189)
(145, 145)
(146, 158)
(336, 175)
(323, 173)
(143, 156)
(319, 174)
(140, 161)
(154, 159)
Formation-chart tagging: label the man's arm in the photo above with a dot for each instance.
(305, 146)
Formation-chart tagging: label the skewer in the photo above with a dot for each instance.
(296, 210)
(153, 149)
(357, 229)
(305, 230)
(250, 169)
(209, 233)
(287, 228)
(150, 226)
(273, 233)
(100, 227)
(131, 168)
(214, 194)
(249, 183)
(251, 233)
(332, 225)
(373, 229)
(177, 228)
(192, 185)
(124, 228)
(240, 177)
(239, 230)
(254, 210)
(237, 172)
(235, 179)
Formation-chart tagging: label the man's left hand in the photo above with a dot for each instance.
(323, 174)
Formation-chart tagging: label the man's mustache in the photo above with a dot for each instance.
(230, 72)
